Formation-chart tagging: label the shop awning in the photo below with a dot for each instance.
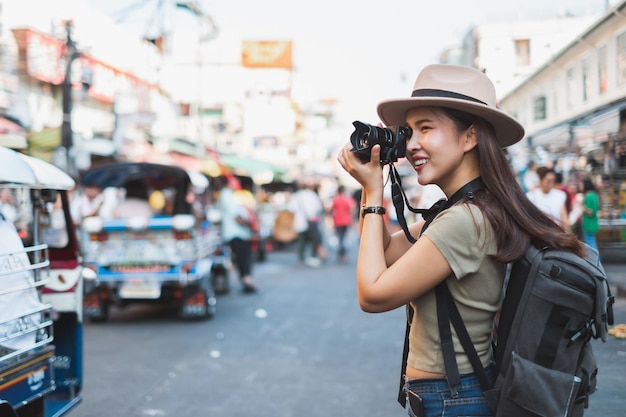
(261, 172)
(7, 126)
(49, 138)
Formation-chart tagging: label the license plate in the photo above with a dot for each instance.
(144, 289)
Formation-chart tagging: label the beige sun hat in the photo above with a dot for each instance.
(456, 87)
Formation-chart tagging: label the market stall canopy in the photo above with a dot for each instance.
(13, 141)
(261, 172)
(20, 169)
(12, 135)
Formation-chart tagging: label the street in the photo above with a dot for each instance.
(301, 347)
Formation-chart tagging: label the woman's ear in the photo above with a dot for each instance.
(470, 139)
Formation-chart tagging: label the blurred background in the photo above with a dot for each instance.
(270, 89)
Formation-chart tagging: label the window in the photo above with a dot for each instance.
(540, 108)
(602, 70)
(586, 78)
(621, 59)
(571, 90)
(522, 52)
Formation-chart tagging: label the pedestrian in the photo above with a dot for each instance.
(456, 143)
(591, 205)
(87, 203)
(342, 210)
(530, 179)
(550, 199)
(308, 211)
(237, 225)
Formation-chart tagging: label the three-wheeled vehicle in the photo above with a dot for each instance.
(163, 256)
(41, 279)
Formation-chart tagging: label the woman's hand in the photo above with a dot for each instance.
(368, 174)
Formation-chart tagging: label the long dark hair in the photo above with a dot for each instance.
(516, 221)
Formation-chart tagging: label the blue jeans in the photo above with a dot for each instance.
(438, 402)
(590, 239)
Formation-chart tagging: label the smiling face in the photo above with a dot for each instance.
(438, 151)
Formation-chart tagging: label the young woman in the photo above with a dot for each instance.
(457, 137)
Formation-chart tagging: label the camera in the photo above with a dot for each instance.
(392, 142)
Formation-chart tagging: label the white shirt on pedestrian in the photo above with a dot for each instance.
(551, 203)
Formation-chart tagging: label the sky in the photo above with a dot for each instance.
(358, 52)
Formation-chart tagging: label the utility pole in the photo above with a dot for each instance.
(67, 140)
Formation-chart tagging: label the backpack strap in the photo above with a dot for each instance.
(447, 312)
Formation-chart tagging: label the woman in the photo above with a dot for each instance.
(457, 136)
(591, 204)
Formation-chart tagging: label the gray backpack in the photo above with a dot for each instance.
(555, 303)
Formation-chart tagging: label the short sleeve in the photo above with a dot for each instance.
(463, 237)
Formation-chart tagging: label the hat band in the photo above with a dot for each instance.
(430, 92)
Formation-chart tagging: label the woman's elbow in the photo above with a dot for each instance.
(371, 305)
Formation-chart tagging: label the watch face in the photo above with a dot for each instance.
(376, 210)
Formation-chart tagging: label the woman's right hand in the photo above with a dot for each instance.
(369, 174)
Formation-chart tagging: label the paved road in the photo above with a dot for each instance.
(301, 347)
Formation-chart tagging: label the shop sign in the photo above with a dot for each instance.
(267, 54)
(45, 59)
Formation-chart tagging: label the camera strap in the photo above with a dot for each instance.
(399, 199)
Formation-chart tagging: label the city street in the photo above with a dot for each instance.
(301, 347)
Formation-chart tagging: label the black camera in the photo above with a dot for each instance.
(392, 143)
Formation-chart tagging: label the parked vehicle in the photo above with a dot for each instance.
(41, 279)
(164, 257)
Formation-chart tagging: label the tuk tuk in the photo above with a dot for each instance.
(41, 291)
(162, 256)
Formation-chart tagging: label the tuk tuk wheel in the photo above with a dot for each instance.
(220, 281)
(199, 303)
(95, 307)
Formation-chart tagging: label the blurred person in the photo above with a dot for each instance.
(550, 199)
(591, 206)
(558, 184)
(575, 215)
(136, 201)
(8, 205)
(236, 226)
(308, 210)
(342, 209)
(266, 213)
(530, 179)
(456, 141)
(87, 203)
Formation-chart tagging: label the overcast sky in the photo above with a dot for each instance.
(358, 51)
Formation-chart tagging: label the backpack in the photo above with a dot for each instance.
(555, 303)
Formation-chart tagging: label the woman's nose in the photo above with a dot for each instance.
(413, 142)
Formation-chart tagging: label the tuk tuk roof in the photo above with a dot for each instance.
(17, 169)
(155, 176)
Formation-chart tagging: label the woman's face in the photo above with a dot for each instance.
(436, 148)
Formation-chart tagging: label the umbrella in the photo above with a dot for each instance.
(20, 169)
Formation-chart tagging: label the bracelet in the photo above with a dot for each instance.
(375, 210)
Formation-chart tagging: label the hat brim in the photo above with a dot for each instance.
(508, 130)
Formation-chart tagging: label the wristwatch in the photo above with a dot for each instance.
(375, 210)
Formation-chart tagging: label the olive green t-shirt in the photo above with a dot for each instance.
(466, 239)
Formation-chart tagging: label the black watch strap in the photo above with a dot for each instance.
(374, 210)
